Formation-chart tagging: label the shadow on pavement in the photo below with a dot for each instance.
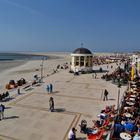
(59, 109)
(11, 117)
(81, 138)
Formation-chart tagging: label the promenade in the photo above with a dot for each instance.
(27, 116)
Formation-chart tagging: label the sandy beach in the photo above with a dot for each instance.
(19, 68)
(76, 98)
(4, 65)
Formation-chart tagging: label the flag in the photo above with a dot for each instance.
(132, 73)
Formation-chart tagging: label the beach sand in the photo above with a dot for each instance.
(76, 98)
(14, 70)
(4, 65)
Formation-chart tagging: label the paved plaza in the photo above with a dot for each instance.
(27, 116)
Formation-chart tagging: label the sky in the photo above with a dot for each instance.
(63, 25)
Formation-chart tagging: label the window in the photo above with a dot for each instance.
(81, 63)
(77, 64)
(87, 64)
(82, 58)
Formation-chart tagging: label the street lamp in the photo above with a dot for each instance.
(119, 86)
(42, 62)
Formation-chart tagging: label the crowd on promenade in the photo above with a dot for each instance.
(119, 74)
(128, 119)
(122, 123)
(100, 60)
(101, 127)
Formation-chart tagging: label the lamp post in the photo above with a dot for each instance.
(42, 62)
(119, 86)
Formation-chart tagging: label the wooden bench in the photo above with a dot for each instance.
(27, 87)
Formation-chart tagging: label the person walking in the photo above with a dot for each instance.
(51, 104)
(2, 113)
(105, 95)
(51, 88)
(72, 134)
(95, 75)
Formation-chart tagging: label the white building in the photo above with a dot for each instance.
(138, 66)
(81, 60)
(136, 62)
(134, 58)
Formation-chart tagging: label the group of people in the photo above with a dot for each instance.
(128, 120)
(104, 122)
(49, 88)
(119, 74)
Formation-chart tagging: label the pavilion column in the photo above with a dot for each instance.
(85, 61)
(79, 61)
(90, 61)
(73, 61)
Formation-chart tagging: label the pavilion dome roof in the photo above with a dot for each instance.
(82, 51)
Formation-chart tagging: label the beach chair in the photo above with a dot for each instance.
(96, 136)
(106, 122)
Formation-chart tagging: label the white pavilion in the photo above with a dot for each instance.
(81, 60)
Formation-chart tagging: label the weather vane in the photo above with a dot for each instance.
(82, 45)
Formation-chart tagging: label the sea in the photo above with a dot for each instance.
(10, 60)
(20, 56)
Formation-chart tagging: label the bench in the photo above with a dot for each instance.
(27, 87)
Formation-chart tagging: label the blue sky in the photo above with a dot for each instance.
(62, 25)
